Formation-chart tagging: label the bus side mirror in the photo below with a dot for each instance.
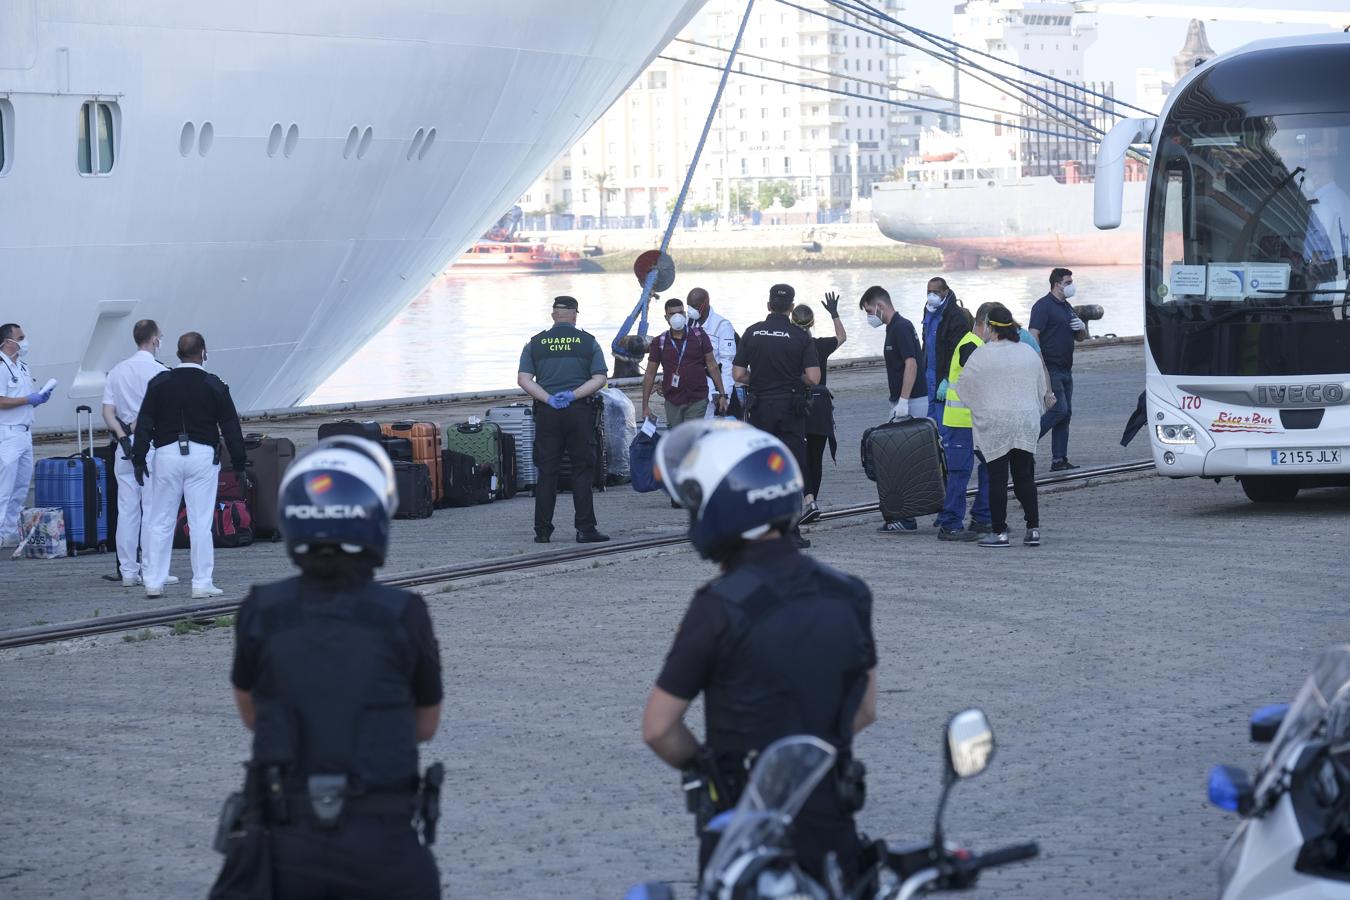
(1109, 188)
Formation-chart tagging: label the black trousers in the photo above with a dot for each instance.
(570, 430)
(1023, 466)
(785, 419)
(815, 462)
(365, 858)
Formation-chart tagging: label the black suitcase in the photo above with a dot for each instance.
(109, 453)
(600, 466)
(905, 460)
(369, 430)
(414, 490)
(463, 482)
(399, 449)
(506, 478)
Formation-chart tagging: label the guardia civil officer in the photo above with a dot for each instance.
(18, 398)
(185, 413)
(339, 679)
(779, 644)
(560, 368)
(779, 363)
(123, 391)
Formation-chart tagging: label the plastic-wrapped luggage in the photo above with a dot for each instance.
(620, 429)
(905, 459)
(79, 486)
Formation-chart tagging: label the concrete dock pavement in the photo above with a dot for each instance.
(1117, 663)
(1108, 379)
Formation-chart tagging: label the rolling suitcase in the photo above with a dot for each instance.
(79, 486)
(426, 444)
(905, 460)
(109, 453)
(414, 490)
(507, 480)
(517, 420)
(467, 482)
(370, 430)
(268, 460)
(399, 449)
(478, 439)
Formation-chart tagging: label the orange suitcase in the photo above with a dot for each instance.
(426, 444)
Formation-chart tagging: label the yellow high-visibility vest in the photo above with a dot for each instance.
(956, 414)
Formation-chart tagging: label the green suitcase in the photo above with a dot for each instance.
(480, 439)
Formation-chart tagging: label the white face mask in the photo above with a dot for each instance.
(22, 345)
(678, 321)
(934, 301)
(874, 320)
(1068, 290)
(694, 315)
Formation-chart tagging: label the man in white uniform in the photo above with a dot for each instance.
(720, 334)
(123, 392)
(17, 400)
(185, 413)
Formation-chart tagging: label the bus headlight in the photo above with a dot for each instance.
(1175, 434)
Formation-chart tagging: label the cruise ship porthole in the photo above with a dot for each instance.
(292, 138)
(274, 140)
(206, 136)
(426, 145)
(416, 143)
(98, 126)
(186, 138)
(350, 147)
(6, 135)
(366, 137)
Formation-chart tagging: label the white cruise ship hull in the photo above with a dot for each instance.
(314, 207)
(1030, 221)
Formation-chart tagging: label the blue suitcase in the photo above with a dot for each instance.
(79, 486)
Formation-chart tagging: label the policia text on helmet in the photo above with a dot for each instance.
(339, 679)
(804, 660)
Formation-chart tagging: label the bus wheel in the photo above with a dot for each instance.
(1269, 488)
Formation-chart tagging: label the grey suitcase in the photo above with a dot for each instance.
(517, 420)
(905, 460)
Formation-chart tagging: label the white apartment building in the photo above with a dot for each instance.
(772, 129)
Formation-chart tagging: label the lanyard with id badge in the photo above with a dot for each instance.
(675, 376)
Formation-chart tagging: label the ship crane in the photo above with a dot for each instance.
(1270, 16)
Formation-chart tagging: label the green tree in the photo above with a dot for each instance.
(601, 181)
(782, 191)
(558, 208)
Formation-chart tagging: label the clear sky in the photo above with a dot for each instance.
(1126, 43)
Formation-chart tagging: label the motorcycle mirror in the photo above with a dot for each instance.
(1266, 721)
(970, 744)
(1230, 788)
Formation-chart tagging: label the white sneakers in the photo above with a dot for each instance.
(204, 593)
(133, 580)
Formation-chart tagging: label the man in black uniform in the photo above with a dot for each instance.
(779, 644)
(339, 679)
(560, 368)
(185, 413)
(779, 362)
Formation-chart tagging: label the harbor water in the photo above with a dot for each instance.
(465, 332)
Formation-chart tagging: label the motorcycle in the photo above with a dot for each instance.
(1294, 838)
(754, 858)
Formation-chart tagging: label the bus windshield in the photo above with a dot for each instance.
(1248, 247)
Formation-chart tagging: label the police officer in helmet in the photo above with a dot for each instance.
(339, 679)
(779, 644)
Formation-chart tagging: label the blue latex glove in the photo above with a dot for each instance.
(562, 399)
(37, 398)
(942, 390)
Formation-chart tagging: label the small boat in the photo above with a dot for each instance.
(516, 257)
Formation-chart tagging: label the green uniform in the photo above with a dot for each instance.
(956, 414)
(562, 358)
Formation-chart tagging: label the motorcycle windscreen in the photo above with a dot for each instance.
(784, 776)
(1324, 696)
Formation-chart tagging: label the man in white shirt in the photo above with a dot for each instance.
(17, 400)
(123, 391)
(720, 334)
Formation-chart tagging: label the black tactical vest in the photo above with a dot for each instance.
(334, 695)
(799, 660)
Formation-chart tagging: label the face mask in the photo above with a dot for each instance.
(23, 348)
(934, 301)
(677, 322)
(694, 315)
(1068, 291)
(874, 320)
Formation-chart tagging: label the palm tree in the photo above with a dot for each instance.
(601, 180)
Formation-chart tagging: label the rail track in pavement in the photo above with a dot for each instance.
(201, 613)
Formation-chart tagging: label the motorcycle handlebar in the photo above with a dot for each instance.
(1006, 855)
